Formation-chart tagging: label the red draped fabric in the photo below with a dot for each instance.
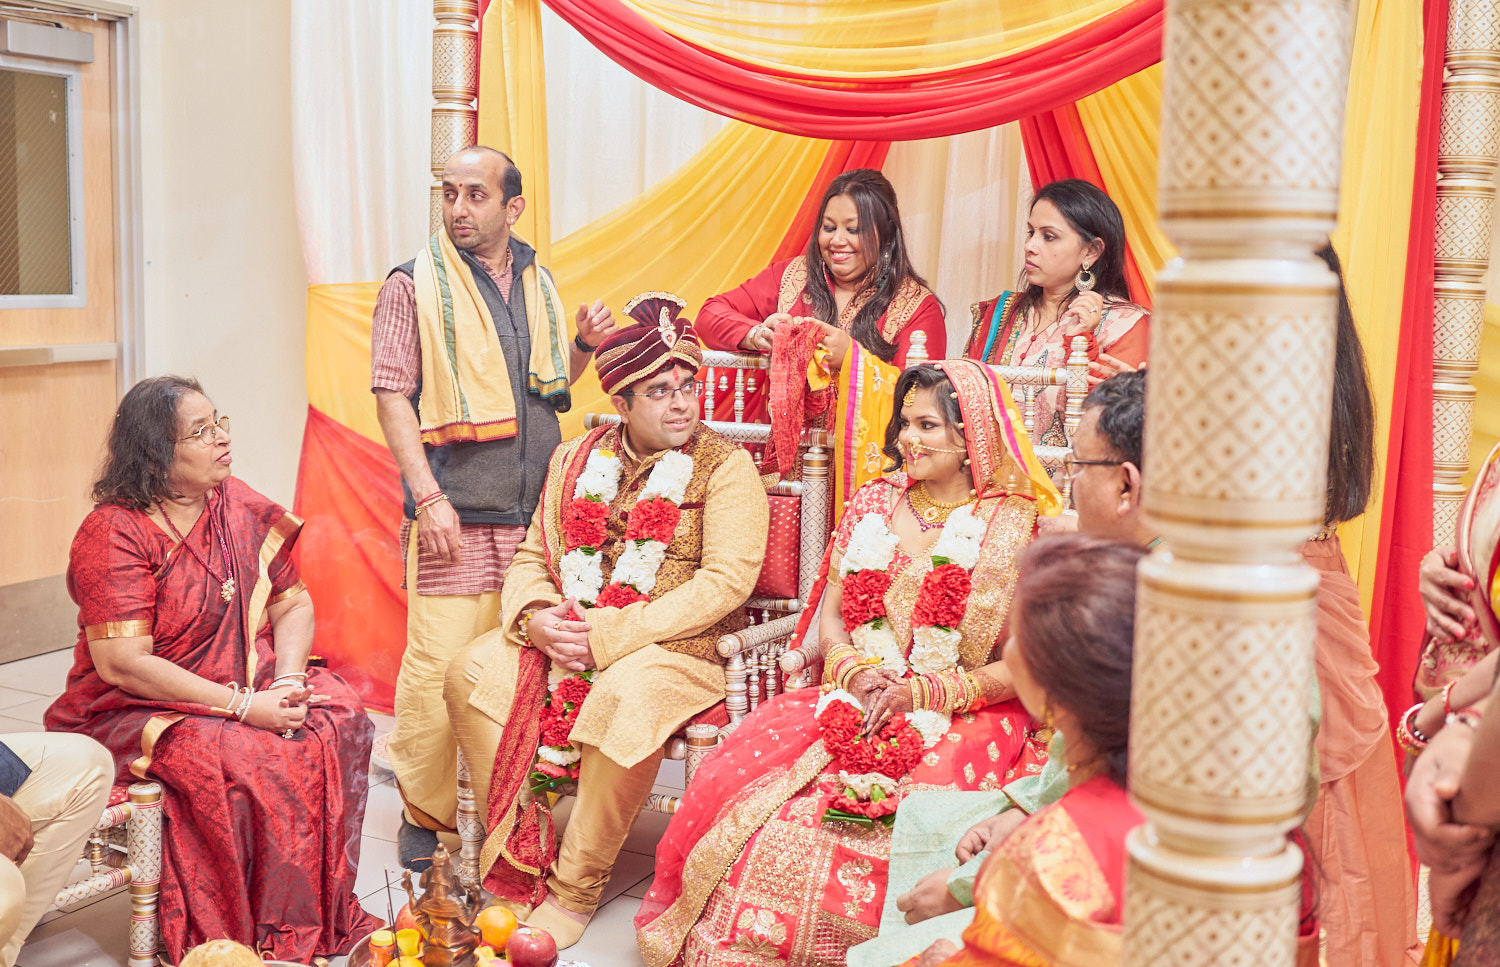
(1397, 620)
(349, 494)
(935, 104)
(1057, 147)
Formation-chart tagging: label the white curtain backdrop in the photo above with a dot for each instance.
(361, 101)
(963, 206)
(612, 135)
(361, 130)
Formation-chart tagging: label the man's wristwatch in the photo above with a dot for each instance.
(583, 347)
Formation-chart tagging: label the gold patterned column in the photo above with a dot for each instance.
(455, 85)
(1237, 441)
(1468, 143)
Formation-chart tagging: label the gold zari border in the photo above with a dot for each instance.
(714, 855)
(118, 629)
(290, 592)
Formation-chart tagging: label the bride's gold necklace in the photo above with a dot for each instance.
(930, 512)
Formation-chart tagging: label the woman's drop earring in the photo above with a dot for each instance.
(1084, 280)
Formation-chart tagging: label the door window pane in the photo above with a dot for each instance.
(35, 227)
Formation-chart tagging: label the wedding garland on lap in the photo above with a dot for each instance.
(871, 767)
(649, 528)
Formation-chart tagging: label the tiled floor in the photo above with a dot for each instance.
(97, 934)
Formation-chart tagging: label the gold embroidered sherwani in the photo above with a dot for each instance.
(657, 662)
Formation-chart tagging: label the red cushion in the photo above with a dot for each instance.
(716, 715)
(118, 793)
(778, 575)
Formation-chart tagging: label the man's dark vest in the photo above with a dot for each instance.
(499, 481)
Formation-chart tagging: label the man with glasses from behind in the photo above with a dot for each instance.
(648, 539)
(1105, 465)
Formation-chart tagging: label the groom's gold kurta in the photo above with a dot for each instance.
(657, 662)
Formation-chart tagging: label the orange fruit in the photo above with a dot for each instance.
(495, 925)
(407, 962)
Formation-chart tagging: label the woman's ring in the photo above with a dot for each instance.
(288, 733)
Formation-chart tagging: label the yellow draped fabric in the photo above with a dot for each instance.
(1123, 123)
(1487, 384)
(1380, 131)
(713, 223)
(338, 355)
(513, 114)
(868, 39)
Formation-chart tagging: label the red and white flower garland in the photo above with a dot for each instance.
(870, 767)
(649, 528)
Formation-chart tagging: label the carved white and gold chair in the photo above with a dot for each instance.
(125, 850)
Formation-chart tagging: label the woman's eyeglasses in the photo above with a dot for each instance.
(208, 432)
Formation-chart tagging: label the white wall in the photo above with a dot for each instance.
(225, 286)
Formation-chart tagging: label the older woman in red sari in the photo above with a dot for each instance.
(191, 669)
(1073, 285)
(853, 294)
(782, 844)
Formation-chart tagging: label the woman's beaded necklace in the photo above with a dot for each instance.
(226, 583)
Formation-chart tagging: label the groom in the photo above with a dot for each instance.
(645, 624)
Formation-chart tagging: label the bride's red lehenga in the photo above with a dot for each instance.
(747, 873)
(261, 835)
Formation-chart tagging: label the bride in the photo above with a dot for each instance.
(780, 850)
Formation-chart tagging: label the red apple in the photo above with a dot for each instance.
(406, 920)
(531, 947)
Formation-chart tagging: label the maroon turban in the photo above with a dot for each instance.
(656, 339)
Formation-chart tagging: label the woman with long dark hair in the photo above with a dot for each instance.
(1072, 285)
(850, 305)
(191, 668)
(1355, 831)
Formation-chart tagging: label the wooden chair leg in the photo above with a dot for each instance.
(470, 827)
(143, 839)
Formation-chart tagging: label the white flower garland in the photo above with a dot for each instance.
(582, 569)
(872, 545)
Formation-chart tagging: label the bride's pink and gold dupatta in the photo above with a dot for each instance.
(748, 873)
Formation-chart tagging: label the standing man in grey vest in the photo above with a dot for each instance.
(472, 356)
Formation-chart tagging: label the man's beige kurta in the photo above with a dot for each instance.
(656, 659)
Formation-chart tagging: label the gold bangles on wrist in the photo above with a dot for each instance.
(841, 663)
(428, 501)
(947, 692)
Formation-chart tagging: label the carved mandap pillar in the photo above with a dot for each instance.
(1468, 143)
(455, 86)
(1236, 438)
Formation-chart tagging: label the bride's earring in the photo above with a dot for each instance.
(1084, 280)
